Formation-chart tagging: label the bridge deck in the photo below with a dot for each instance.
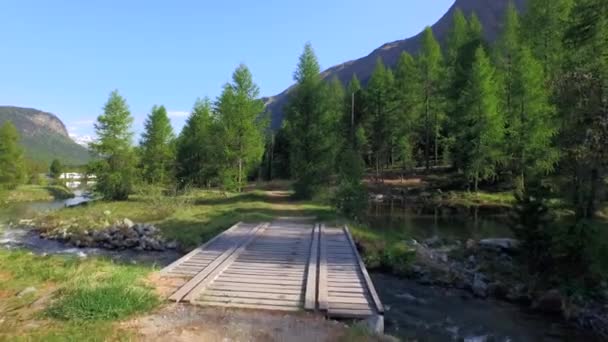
(284, 265)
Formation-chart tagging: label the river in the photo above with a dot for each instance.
(414, 311)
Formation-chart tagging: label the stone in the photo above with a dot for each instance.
(127, 223)
(551, 302)
(172, 245)
(479, 287)
(500, 244)
(27, 291)
(107, 213)
(435, 241)
(470, 244)
(375, 324)
(498, 290)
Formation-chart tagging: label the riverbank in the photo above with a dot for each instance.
(34, 193)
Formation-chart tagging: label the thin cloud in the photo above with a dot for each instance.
(178, 113)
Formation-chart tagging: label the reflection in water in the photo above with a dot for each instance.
(405, 222)
(24, 210)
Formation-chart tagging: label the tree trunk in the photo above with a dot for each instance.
(240, 177)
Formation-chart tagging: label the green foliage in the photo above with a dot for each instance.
(12, 163)
(350, 199)
(381, 118)
(310, 123)
(56, 169)
(408, 87)
(197, 148)
(483, 133)
(241, 129)
(398, 256)
(430, 65)
(157, 147)
(115, 170)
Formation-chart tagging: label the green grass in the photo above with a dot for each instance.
(481, 198)
(75, 299)
(190, 218)
(32, 193)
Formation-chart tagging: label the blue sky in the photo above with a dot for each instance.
(66, 56)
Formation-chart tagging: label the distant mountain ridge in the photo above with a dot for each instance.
(44, 136)
(490, 14)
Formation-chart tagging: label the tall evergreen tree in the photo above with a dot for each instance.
(157, 147)
(197, 155)
(484, 131)
(115, 169)
(12, 163)
(506, 51)
(408, 104)
(309, 127)
(379, 102)
(354, 118)
(462, 46)
(430, 64)
(544, 26)
(531, 126)
(241, 128)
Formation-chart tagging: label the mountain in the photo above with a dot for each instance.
(490, 13)
(44, 136)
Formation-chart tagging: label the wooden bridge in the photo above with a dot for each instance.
(287, 265)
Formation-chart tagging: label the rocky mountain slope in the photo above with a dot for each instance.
(44, 136)
(490, 13)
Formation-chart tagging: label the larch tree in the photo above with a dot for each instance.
(12, 163)
(242, 128)
(532, 125)
(197, 148)
(157, 147)
(408, 105)
(430, 65)
(506, 51)
(484, 130)
(309, 127)
(380, 106)
(115, 168)
(56, 169)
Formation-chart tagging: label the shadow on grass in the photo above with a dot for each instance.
(247, 198)
(201, 228)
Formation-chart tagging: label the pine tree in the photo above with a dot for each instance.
(506, 50)
(544, 26)
(241, 128)
(157, 147)
(380, 106)
(462, 45)
(12, 163)
(309, 128)
(115, 169)
(197, 148)
(430, 64)
(56, 169)
(531, 125)
(408, 104)
(484, 130)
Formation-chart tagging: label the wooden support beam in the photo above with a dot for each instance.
(323, 302)
(310, 302)
(368, 280)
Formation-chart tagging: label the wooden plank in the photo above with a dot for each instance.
(368, 280)
(209, 270)
(350, 306)
(285, 290)
(261, 280)
(346, 313)
(337, 300)
(322, 280)
(198, 249)
(252, 286)
(249, 306)
(310, 301)
(213, 274)
(256, 301)
(251, 295)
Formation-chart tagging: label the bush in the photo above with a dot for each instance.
(398, 256)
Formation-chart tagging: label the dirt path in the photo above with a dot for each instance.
(183, 322)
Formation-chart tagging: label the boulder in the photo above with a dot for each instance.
(127, 223)
(479, 287)
(375, 324)
(500, 244)
(551, 302)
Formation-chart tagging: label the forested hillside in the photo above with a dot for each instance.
(43, 136)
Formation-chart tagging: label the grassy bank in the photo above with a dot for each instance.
(33, 193)
(52, 298)
(189, 218)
